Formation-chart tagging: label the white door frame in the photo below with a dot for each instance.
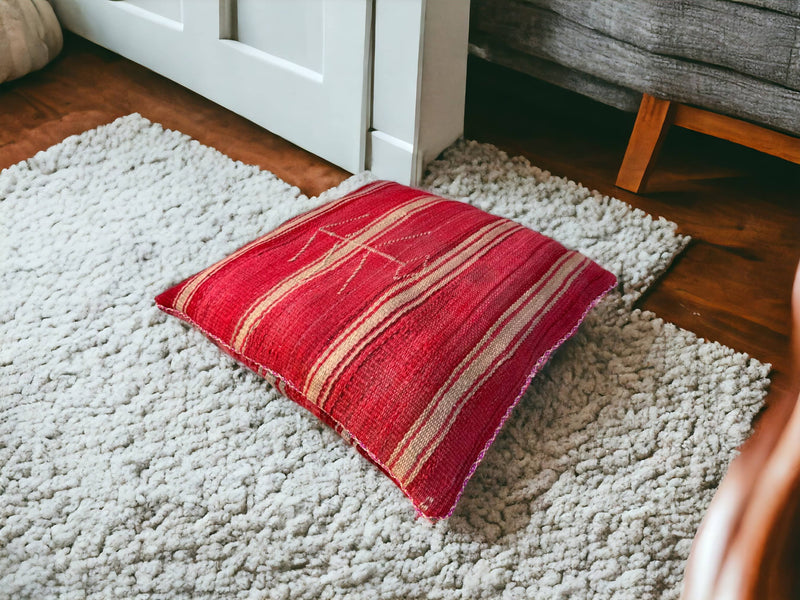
(419, 84)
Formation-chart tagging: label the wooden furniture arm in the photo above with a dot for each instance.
(746, 546)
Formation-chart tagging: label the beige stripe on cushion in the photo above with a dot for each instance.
(494, 352)
(469, 359)
(191, 286)
(340, 252)
(397, 301)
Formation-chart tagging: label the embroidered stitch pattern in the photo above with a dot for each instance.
(345, 240)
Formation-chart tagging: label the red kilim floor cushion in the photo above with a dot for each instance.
(409, 323)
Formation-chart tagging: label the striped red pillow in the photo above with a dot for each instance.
(409, 323)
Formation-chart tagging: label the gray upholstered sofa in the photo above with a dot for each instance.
(739, 58)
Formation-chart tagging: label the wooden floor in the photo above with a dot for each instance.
(742, 208)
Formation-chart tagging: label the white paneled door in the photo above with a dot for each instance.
(362, 83)
(296, 67)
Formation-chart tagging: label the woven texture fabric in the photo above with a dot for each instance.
(409, 323)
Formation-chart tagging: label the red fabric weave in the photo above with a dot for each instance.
(409, 323)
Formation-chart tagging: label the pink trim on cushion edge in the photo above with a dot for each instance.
(353, 439)
(536, 368)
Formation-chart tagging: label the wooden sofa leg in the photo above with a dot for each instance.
(652, 122)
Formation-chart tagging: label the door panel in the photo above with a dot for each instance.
(287, 29)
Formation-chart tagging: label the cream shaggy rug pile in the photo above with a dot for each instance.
(138, 461)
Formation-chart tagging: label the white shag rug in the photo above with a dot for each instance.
(138, 461)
